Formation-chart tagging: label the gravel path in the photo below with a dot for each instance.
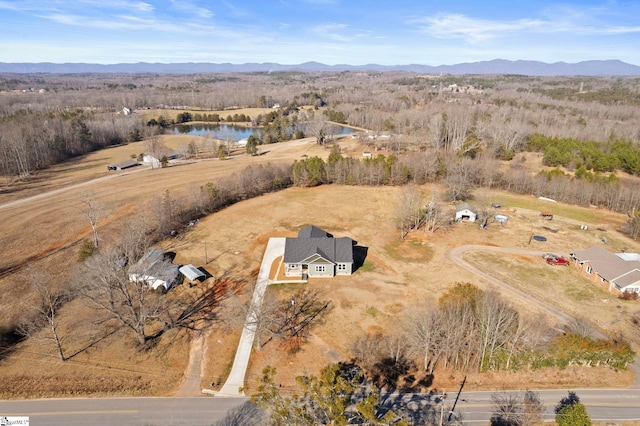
(193, 374)
(455, 255)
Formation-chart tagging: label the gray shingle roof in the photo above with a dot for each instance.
(152, 264)
(465, 206)
(336, 250)
(313, 232)
(609, 266)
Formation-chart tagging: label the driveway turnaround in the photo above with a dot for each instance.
(235, 382)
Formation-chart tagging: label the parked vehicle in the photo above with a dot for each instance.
(559, 260)
(548, 256)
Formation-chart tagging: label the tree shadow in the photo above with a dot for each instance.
(418, 409)
(9, 338)
(93, 343)
(359, 256)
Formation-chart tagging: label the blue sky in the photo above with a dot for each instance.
(351, 32)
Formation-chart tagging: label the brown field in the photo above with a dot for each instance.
(172, 113)
(396, 275)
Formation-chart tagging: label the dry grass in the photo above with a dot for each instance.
(171, 114)
(396, 275)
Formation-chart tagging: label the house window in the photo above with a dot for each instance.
(342, 267)
(320, 268)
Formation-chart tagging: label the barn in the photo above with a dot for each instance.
(464, 212)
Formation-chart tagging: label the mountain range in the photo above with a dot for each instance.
(496, 66)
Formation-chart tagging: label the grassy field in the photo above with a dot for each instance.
(396, 275)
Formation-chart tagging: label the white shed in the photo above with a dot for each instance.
(191, 272)
(501, 219)
(464, 212)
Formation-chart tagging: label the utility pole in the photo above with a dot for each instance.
(206, 259)
(442, 398)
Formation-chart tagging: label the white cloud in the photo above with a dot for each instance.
(204, 13)
(474, 30)
(337, 32)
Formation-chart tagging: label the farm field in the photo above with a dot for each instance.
(397, 274)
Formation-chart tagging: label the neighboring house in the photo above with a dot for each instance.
(123, 165)
(464, 212)
(154, 270)
(156, 160)
(618, 273)
(316, 253)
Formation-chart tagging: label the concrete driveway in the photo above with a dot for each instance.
(235, 382)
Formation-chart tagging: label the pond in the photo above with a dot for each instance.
(230, 132)
(225, 132)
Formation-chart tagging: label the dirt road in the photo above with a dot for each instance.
(455, 255)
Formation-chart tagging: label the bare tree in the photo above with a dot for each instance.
(155, 147)
(45, 309)
(410, 210)
(496, 321)
(486, 212)
(533, 408)
(434, 218)
(93, 211)
(423, 327)
(580, 327)
(128, 303)
(290, 319)
(459, 179)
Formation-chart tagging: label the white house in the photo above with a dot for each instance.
(156, 160)
(464, 212)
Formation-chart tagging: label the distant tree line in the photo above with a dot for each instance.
(31, 141)
(587, 155)
(461, 175)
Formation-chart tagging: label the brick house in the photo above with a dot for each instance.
(617, 273)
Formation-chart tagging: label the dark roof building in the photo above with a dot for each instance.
(153, 270)
(316, 253)
(127, 164)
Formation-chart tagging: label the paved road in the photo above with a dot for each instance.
(476, 407)
(235, 382)
(70, 187)
(121, 411)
